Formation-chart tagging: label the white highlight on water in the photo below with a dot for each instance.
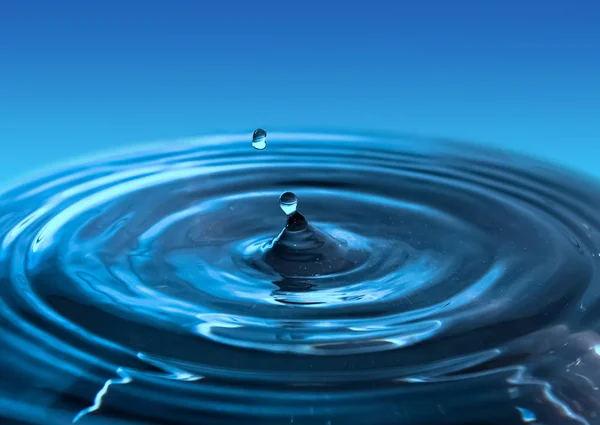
(125, 379)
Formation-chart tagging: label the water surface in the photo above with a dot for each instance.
(459, 286)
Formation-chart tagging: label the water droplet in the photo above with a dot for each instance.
(288, 202)
(259, 139)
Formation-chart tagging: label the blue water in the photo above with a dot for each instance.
(420, 282)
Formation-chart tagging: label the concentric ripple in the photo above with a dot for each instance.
(457, 286)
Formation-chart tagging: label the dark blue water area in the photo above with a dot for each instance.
(419, 282)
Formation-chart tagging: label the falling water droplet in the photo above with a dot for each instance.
(288, 202)
(259, 139)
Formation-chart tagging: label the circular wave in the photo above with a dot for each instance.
(461, 287)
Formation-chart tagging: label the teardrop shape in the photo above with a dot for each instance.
(259, 139)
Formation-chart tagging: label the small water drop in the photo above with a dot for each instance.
(259, 139)
(288, 202)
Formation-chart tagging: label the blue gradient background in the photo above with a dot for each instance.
(78, 77)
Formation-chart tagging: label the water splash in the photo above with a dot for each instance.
(423, 282)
